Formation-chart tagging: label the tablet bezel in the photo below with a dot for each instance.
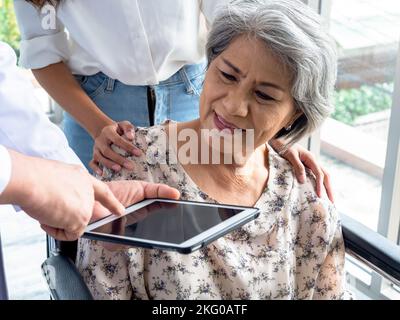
(247, 214)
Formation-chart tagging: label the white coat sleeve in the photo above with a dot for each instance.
(24, 126)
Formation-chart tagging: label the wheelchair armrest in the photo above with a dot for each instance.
(379, 253)
(64, 280)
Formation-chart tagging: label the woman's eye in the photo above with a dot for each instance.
(263, 96)
(228, 76)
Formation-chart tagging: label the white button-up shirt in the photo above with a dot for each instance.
(138, 42)
(24, 127)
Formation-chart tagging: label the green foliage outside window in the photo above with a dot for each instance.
(9, 32)
(353, 103)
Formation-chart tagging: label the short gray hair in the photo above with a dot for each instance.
(295, 34)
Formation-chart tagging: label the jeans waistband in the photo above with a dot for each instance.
(186, 73)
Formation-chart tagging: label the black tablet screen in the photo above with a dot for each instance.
(168, 222)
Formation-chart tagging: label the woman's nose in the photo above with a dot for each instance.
(237, 104)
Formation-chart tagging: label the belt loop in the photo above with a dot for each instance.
(110, 84)
(190, 89)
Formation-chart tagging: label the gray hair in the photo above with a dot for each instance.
(295, 34)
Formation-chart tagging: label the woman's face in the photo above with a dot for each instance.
(246, 87)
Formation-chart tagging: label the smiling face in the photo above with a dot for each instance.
(246, 87)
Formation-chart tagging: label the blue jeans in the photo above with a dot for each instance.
(176, 98)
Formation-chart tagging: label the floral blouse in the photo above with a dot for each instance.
(293, 250)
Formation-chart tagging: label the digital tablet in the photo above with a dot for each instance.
(175, 225)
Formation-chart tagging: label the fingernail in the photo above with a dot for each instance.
(128, 165)
(136, 152)
(99, 172)
(302, 179)
(120, 210)
(116, 167)
(130, 134)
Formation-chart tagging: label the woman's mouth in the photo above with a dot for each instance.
(222, 124)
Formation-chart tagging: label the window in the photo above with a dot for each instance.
(359, 144)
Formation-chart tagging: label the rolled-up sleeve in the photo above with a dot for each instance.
(5, 168)
(44, 40)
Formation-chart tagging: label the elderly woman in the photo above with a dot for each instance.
(271, 73)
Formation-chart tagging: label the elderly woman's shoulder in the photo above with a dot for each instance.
(303, 197)
(319, 208)
(152, 143)
(145, 138)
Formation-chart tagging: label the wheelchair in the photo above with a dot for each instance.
(363, 244)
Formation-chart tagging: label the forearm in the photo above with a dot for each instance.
(60, 84)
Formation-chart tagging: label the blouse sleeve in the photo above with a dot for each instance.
(330, 283)
(44, 40)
